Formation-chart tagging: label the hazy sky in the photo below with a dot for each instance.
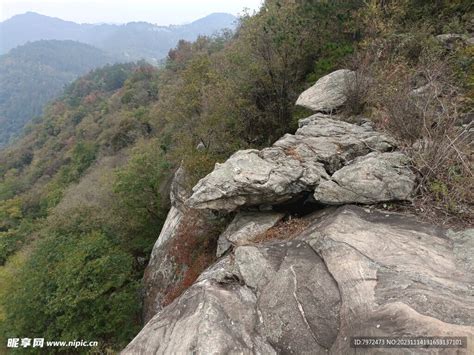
(162, 12)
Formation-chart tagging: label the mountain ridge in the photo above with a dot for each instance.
(32, 26)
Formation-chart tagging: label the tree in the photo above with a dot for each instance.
(142, 191)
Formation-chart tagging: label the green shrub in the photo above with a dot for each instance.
(332, 56)
(12, 240)
(142, 192)
(74, 286)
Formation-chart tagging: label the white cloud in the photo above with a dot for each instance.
(162, 12)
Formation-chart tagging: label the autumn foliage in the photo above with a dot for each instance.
(193, 250)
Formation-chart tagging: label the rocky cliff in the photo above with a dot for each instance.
(307, 260)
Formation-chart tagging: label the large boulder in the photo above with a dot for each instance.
(245, 227)
(351, 272)
(212, 317)
(376, 177)
(293, 165)
(329, 93)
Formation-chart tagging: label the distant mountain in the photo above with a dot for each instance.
(33, 74)
(135, 40)
(45, 54)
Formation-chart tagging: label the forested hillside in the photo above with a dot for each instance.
(33, 74)
(36, 72)
(84, 193)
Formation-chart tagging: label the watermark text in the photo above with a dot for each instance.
(42, 343)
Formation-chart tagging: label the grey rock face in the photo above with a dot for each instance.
(300, 304)
(178, 191)
(208, 319)
(464, 247)
(295, 164)
(245, 227)
(351, 272)
(161, 270)
(375, 177)
(169, 229)
(329, 92)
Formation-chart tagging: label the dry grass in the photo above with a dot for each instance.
(193, 250)
(188, 278)
(285, 230)
(356, 92)
(420, 103)
(434, 215)
(292, 152)
(427, 125)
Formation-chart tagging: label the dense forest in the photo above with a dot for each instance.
(84, 193)
(35, 73)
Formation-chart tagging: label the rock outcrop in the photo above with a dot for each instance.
(295, 280)
(374, 177)
(329, 93)
(321, 148)
(351, 272)
(161, 271)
